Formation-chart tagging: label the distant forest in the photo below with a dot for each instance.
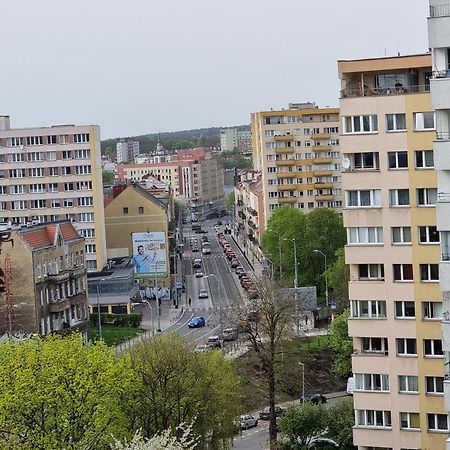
(173, 140)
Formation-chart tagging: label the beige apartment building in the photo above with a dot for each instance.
(54, 173)
(388, 128)
(297, 151)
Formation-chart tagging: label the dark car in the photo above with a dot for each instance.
(313, 397)
(214, 342)
(264, 414)
(239, 270)
(219, 223)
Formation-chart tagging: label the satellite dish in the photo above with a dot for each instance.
(346, 163)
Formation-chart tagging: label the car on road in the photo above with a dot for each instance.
(247, 421)
(201, 231)
(313, 397)
(197, 322)
(322, 442)
(229, 334)
(197, 263)
(214, 342)
(264, 414)
(195, 249)
(239, 270)
(219, 223)
(200, 348)
(234, 263)
(202, 293)
(198, 273)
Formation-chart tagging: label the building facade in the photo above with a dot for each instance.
(228, 139)
(439, 42)
(43, 277)
(127, 151)
(388, 127)
(54, 173)
(297, 152)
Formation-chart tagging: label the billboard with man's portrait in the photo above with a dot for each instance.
(150, 255)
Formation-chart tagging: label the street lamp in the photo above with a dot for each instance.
(326, 279)
(303, 381)
(98, 309)
(151, 315)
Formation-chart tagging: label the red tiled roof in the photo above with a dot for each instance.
(44, 235)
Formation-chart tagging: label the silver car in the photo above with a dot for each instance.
(248, 421)
(202, 293)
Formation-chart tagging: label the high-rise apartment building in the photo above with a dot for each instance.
(439, 42)
(388, 128)
(126, 151)
(54, 173)
(228, 139)
(297, 151)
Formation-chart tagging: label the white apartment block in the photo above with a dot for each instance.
(127, 151)
(228, 139)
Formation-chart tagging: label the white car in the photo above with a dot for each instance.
(200, 348)
(322, 442)
(202, 293)
(198, 274)
(247, 421)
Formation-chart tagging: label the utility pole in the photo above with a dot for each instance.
(279, 251)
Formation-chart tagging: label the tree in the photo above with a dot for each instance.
(271, 321)
(60, 392)
(178, 386)
(342, 345)
(229, 201)
(338, 277)
(301, 423)
(107, 176)
(341, 422)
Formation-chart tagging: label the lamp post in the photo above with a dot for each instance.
(151, 315)
(303, 382)
(220, 306)
(98, 309)
(326, 279)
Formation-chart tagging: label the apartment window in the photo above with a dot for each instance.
(271, 169)
(19, 204)
(66, 170)
(432, 347)
(405, 310)
(3, 190)
(83, 185)
(17, 189)
(366, 161)
(37, 188)
(360, 124)
(14, 141)
(437, 422)
(90, 248)
(359, 199)
(409, 421)
(17, 173)
(68, 203)
(424, 159)
(426, 196)
(399, 197)
(37, 204)
(67, 154)
(371, 382)
(403, 272)
(375, 345)
(86, 217)
(55, 203)
(53, 187)
(34, 140)
(125, 210)
(51, 156)
(408, 384)
(398, 160)
(81, 138)
(429, 272)
(35, 156)
(423, 121)
(36, 172)
(51, 139)
(369, 309)
(369, 418)
(68, 187)
(53, 171)
(428, 235)
(16, 157)
(396, 122)
(141, 210)
(2, 206)
(371, 271)
(406, 347)
(364, 235)
(401, 235)
(432, 310)
(83, 170)
(85, 201)
(82, 154)
(434, 385)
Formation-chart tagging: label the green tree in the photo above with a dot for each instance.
(338, 277)
(181, 387)
(107, 176)
(301, 423)
(229, 201)
(342, 345)
(341, 422)
(63, 393)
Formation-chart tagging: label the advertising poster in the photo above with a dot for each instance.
(150, 255)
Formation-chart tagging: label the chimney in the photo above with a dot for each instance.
(4, 123)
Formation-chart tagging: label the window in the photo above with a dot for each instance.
(125, 210)
(434, 385)
(51, 156)
(375, 345)
(371, 382)
(360, 124)
(68, 203)
(366, 161)
(405, 310)
(408, 383)
(428, 235)
(14, 141)
(432, 310)
(90, 248)
(19, 204)
(51, 139)
(364, 235)
(398, 160)
(35, 156)
(37, 188)
(429, 272)
(424, 159)
(371, 271)
(52, 187)
(68, 187)
(141, 210)
(370, 309)
(403, 272)
(82, 154)
(437, 422)
(17, 173)
(85, 201)
(17, 189)
(406, 347)
(426, 196)
(37, 204)
(358, 199)
(423, 121)
(53, 171)
(432, 347)
(55, 203)
(399, 197)
(36, 172)
(83, 170)
(88, 232)
(372, 418)
(16, 157)
(81, 138)
(86, 217)
(34, 140)
(396, 122)
(401, 235)
(409, 421)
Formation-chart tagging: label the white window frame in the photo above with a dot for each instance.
(435, 418)
(375, 272)
(403, 315)
(371, 382)
(434, 348)
(405, 421)
(419, 121)
(405, 342)
(395, 126)
(424, 159)
(435, 382)
(428, 276)
(427, 193)
(428, 230)
(409, 379)
(365, 418)
(374, 198)
(349, 122)
(383, 348)
(429, 310)
(402, 274)
(396, 154)
(394, 198)
(376, 309)
(402, 236)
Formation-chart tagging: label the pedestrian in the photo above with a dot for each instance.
(189, 301)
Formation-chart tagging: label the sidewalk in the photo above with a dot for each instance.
(254, 263)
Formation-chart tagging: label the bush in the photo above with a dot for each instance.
(118, 320)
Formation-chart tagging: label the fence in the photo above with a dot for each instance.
(125, 346)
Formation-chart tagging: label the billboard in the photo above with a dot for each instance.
(150, 255)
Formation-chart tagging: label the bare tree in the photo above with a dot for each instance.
(265, 321)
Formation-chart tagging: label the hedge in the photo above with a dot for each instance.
(118, 320)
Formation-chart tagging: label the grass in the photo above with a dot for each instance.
(315, 343)
(114, 335)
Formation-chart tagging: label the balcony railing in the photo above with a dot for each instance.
(445, 256)
(443, 197)
(441, 73)
(440, 10)
(442, 136)
(398, 90)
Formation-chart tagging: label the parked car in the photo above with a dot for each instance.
(229, 334)
(202, 293)
(214, 342)
(219, 223)
(198, 274)
(247, 421)
(239, 270)
(313, 397)
(234, 263)
(197, 263)
(197, 322)
(322, 442)
(252, 293)
(200, 348)
(264, 414)
(195, 249)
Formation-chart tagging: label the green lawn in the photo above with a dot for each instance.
(114, 335)
(315, 343)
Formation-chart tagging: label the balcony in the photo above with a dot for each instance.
(56, 305)
(440, 11)
(287, 187)
(287, 200)
(323, 185)
(77, 271)
(321, 148)
(59, 277)
(374, 91)
(78, 299)
(324, 197)
(442, 151)
(284, 137)
(283, 150)
(285, 162)
(323, 173)
(322, 160)
(286, 174)
(321, 136)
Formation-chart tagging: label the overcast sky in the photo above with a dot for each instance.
(143, 66)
